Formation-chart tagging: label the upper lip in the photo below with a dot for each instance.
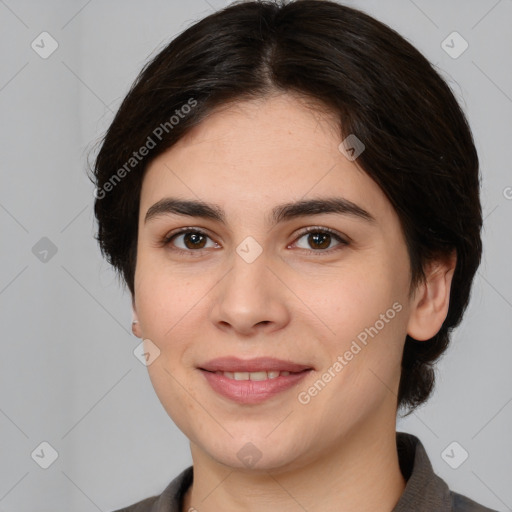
(258, 364)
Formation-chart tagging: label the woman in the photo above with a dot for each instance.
(291, 194)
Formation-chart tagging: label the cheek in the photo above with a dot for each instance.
(163, 299)
(364, 314)
(166, 310)
(177, 394)
(353, 299)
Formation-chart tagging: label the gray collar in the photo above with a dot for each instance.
(424, 491)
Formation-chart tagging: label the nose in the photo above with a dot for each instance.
(252, 297)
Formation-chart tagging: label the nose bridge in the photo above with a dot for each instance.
(249, 250)
(250, 294)
(250, 274)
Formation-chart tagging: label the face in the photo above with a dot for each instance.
(230, 296)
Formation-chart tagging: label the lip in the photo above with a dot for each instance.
(252, 391)
(258, 364)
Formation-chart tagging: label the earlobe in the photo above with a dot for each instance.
(135, 324)
(432, 298)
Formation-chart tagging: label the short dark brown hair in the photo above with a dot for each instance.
(418, 145)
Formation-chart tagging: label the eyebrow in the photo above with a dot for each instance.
(280, 213)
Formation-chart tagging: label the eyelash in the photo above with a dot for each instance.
(166, 241)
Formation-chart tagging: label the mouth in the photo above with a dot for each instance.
(252, 381)
(259, 376)
(255, 365)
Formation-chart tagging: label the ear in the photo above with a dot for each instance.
(431, 299)
(135, 324)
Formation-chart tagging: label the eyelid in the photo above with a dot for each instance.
(343, 240)
(187, 229)
(167, 239)
(314, 229)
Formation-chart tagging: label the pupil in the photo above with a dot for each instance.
(325, 237)
(193, 237)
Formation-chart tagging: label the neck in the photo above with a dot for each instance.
(362, 473)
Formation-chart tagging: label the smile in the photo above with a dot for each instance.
(264, 375)
(252, 381)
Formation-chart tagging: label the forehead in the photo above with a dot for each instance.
(261, 152)
(266, 125)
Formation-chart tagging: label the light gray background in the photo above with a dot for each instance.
(68, 373)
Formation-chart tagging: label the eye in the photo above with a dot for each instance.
(320, 239)
(192, 240)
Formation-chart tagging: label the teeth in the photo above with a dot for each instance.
(253, 375)
(258, 376)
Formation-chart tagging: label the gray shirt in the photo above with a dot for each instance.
(424, 491)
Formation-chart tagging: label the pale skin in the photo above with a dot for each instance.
(298, 300)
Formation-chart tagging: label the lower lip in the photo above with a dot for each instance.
(252, 391)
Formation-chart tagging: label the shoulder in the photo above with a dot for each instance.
(170, 500)
(462, 503)
(141, 506)
(425, 490)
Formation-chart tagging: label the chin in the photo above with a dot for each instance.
(257, 454)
